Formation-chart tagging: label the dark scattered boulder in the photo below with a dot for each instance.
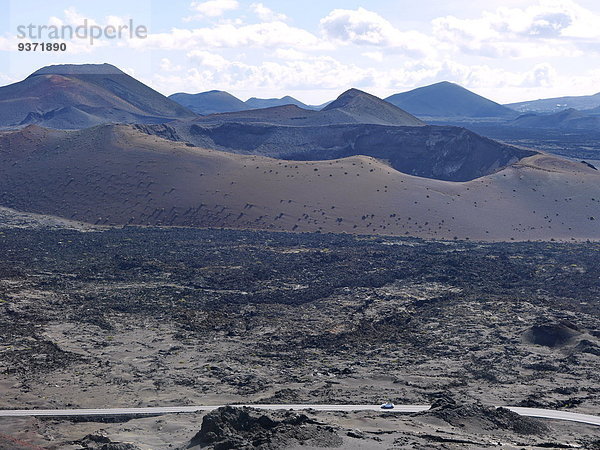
(356, 434)
(283, 396)
(244, 428)
(472, 416)
(99, 442)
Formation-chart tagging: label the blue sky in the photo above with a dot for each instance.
(507, 50)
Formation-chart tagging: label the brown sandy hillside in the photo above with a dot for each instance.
(115, 174)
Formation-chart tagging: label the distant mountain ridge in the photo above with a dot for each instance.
(210, 102)
(72, 96)
(448, 100)
(351, 107)
(583, 102)
(216, 102)
(75, 96)
(568, 119)
(259, 103)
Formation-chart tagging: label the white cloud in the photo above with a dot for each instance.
(265, 14)
(55, 21)
(167, 66)
(72, 17)
(493, 82)
(290, 54)
(228, 35)
(363, 27)
(116, 21)
(375, 56)
(207, 59)
(9, 43)
(328, 74)
(321, 72)
(542, 75)
(212, 8)
(548, 28)
(129, 71)
(6, 79)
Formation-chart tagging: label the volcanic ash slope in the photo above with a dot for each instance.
(115, 174)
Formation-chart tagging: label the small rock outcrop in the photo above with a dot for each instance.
(99, 442)
(244, 428)
(476, 416)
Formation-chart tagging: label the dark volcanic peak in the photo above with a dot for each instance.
(78, 69)
(256, 103)
(366, 108)
(348, 97)
(77, 96)
(447, 99)
(272, 114)
(210, 102)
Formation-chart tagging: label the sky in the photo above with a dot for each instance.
(506, 50)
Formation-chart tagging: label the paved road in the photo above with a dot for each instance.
(530, 412)
(558, 415)
(189, 409)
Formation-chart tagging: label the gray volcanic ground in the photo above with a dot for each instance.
(146, 316)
